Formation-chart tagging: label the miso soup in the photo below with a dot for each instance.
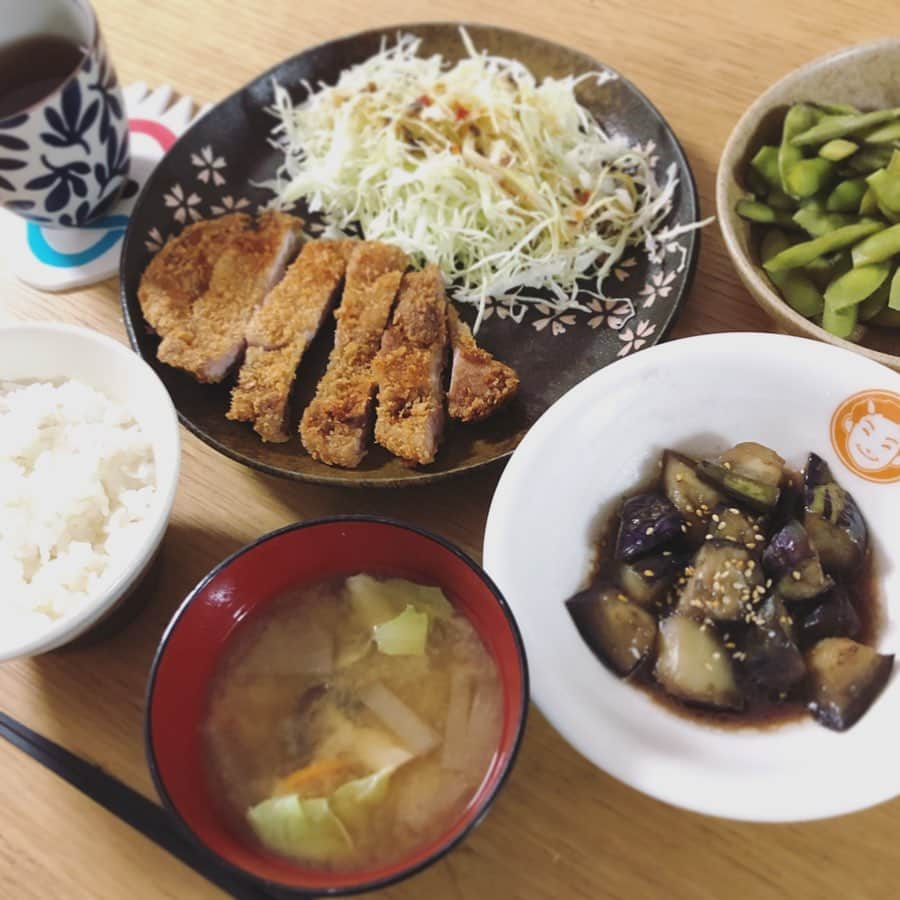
(352, 722)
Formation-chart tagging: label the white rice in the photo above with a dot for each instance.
(77, 485)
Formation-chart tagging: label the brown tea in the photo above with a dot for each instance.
(32, 68)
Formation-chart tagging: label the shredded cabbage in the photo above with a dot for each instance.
(508, 184)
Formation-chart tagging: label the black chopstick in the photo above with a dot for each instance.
(131, 807)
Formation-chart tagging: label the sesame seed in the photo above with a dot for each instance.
(715, 517)
(751, 545)
(649, 530)
(648, 573)
(679, 476)
(717, 655)
(726, 465)
(684, 528)
(795, 575)
(721, 526)
(688, 507)
(734, 510)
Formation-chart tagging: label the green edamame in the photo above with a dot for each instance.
(796, 286)
(754, 211)
(847, 195)
(831, 127)
(854, 286)
(838, 149)
(878, 247)
(802, 254)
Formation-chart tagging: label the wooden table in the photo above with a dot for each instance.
(561, 828)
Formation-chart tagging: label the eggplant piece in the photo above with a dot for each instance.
(845, 677)
(836, 528)
(728, 523)
(816, 472)
(620, 633)
(648, 522)
(647, 580)
(691, 496)
(835, 616)
(754, 461)
(771, 659)
(693, 665)
(722, 584)
(753, 494)
(791, 559)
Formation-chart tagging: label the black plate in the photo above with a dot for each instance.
(213, 169)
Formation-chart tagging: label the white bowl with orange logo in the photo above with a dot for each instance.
(699, 395)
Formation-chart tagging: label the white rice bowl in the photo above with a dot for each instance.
(77, 488)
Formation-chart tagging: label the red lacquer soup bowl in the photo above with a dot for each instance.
(243, 585)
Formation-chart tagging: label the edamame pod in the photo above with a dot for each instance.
(886, 187)
(817, 223)
(847, 195)
(831, 127)
(885, 134)
(839, 322)
(868, 206)
(799, 118)
(777, 199)
(838, 149)
(877, 247)
(867, 160)
(837, 109)
(754, 211)
(797, 288)
(894, 292)
(765, 163)
(874, 303)
(808, 177)
(802, 254)
(854, 286)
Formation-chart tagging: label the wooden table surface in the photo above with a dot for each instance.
(561, 828)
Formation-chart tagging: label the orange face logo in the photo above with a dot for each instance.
(865, 431)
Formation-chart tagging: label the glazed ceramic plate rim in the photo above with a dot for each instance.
(617, 727)
(447, 845)
(335, 476)
(729, 222)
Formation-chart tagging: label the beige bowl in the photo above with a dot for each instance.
(867, 76)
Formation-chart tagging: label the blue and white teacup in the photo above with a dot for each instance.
(64, 158)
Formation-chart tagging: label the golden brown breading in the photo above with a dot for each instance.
(279, 333)
(211, 341)
(409, 367)
(181, 271)
(479, 384)
(335, 426)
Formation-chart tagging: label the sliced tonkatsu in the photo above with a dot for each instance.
(210, 342)
(479, 384)
(408, 368)
(336, 425)
(180, 273)
(279, 333)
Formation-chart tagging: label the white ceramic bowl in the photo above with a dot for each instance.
(46, 351)
(598, 442)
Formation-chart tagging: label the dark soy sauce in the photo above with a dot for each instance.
(32, 68)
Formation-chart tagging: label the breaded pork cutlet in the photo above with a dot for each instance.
(279, 333)
(408, 369)
(212, 340)
(335, 426)
(181, 271)
(479, 384)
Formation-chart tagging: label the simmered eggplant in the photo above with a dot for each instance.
(649, 521)
(749, 472)
(735, 587)
(846, 677)
(692, 497)
(728, 523)
(723, 583)
(770, 658)
(791, 559)
(836, 527)
(647, 580)
(752, 493)
(693, 664)
(816, 472)
(756, 461)
(619, 632)
(835, 616)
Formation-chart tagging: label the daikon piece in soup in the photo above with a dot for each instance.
(352, 722)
